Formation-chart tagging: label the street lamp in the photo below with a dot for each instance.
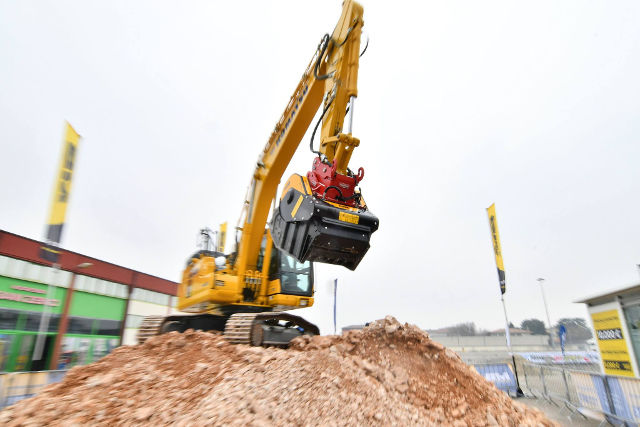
(64, 318)
(546, 308)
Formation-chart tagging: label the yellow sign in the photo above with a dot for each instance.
(613, 347)
(495, 238)
(347, 217)
(63, 179)
(61, 191)
(222, 237)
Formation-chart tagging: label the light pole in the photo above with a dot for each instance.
(546, 308)
(335, 303)
(64, 318)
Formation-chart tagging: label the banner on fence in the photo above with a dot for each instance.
(621, 400)
(591, 394)
(556, 357)
(630, 388)
(500, 374)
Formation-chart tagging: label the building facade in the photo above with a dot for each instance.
(104, 303)
(615, 319)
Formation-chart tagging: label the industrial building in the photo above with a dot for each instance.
(92, 305)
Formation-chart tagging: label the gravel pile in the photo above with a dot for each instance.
(386, 374)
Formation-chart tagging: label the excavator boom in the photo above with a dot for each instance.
(322, 216)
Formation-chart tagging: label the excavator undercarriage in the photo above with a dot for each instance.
(257, 329)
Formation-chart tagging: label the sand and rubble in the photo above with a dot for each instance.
(386, 374)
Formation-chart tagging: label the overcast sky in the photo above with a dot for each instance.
(534, 106)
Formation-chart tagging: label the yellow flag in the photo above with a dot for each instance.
(61, 191)
(222, 237)
(495, 238)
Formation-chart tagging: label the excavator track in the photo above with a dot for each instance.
(149, 327)
(238, 328)
(263, 329)
(257, 329)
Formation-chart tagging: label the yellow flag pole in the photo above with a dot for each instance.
(50, 250)
(497, 250)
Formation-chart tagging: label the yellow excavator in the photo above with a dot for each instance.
(321, 216)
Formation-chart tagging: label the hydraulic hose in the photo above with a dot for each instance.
(324, 111)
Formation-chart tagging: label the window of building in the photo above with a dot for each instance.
(101, 287)
(26, 346)
(19, 269)
(15, 268)
(4, 262)
(6, 342)
(149, 296)
(134, 321)
(162, 298)
(122, 290)
(632, 316)
(32, 321)
(32, 272)
(46, 275)
(108, 327)
(8, 319)
(108, 288)
(80, 325)
(62, 278)
(90, 284)
(78, 283)
(100, 348)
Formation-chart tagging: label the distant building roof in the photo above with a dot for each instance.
(26, 249)
(611, 295)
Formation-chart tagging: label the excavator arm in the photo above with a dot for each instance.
(321, 215)
(330, 81)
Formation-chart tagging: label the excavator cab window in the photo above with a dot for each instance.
(296, 278)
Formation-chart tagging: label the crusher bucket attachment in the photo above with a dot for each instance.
(311, 229)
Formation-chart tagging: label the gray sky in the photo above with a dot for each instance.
(533, 106)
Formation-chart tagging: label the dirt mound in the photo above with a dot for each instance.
(386, 374)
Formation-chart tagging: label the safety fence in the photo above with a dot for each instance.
(605, 397)
(15, 386)
(500, 374)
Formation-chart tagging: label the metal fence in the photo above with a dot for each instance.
(15, 386)
(606, 397)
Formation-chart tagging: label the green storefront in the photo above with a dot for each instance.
(93, 328)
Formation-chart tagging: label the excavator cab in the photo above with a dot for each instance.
(296, 278)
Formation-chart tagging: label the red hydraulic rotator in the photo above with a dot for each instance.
(329, 185)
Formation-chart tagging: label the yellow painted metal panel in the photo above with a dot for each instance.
(613, 347)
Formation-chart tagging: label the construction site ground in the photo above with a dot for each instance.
(386, 374)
